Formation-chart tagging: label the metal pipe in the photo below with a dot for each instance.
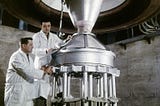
(85, 88)
(61, 18)
(114, 89)
(101, 87)
(105, 78)
(85, 80)
(90, 85)
(98, 88)
(54, 87)
(110, 87)
(114, 86)
(64, 85)
(68, 86)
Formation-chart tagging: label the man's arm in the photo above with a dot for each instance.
(24, 70)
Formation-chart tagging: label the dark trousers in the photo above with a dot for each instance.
(40, 101)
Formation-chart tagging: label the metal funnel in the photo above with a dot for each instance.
(83, 13)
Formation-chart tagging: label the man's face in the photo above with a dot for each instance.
(27, 48)
(46, 27)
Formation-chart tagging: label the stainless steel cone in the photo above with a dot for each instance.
(83, 13)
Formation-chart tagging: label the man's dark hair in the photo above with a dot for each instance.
(25, 40)
(46, 20)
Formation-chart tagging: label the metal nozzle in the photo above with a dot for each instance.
(84, 13)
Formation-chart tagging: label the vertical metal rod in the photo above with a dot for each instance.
(114, 86)
(105, 81)
(90, 88)
(101, 90)
(105, 85)
(114, 89)
(85, 80)
(54, 87)
(110, 87)
(61, 18)
(90, 85)
(68, 86)
(101, 87)
(98, 88)
(64, 85)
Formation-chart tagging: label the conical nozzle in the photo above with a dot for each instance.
(83, 13)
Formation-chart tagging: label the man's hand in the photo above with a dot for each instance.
(47, 69)
(49, 50)
(69, 37)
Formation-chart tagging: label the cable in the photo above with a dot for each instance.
(61, 20)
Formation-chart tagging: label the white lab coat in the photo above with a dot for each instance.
(40, 45)
(21, 87)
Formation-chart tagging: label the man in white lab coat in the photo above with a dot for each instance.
(21, 85)
(44, 43)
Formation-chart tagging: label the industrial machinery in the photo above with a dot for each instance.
(85, 60)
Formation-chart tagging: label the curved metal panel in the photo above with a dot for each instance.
(130, 13)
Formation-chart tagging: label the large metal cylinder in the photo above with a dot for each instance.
(84, 49)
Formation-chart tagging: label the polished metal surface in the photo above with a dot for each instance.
(82, 50)
(106, 5)
(84, 13)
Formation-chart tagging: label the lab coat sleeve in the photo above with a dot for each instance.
(24, 70)
(37, 50)
(57, 42)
